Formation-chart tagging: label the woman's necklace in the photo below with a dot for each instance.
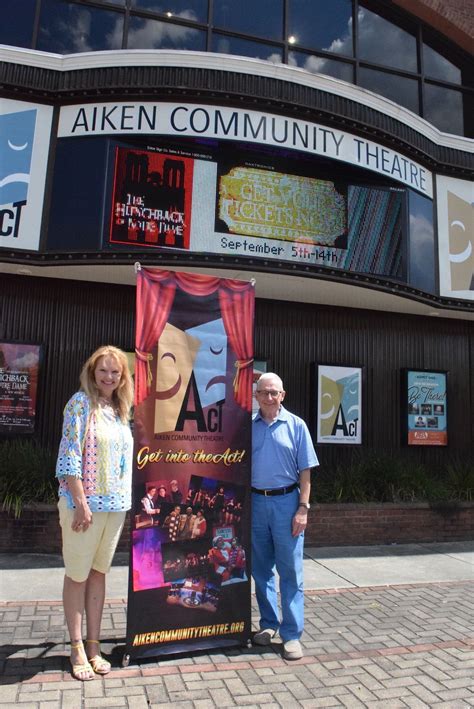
(104, 402)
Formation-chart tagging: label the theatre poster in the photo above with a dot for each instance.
(189, 583)
(425, 408)
(19, 366)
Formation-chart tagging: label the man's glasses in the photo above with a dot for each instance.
(273, 393)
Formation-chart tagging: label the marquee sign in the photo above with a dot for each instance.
(219, 122)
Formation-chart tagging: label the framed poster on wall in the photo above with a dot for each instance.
(338, 404)
(19, 366)
(424, 408)
(260, 366)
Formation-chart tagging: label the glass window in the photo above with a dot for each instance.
(397, 88)
(311, 25)
(66, 28)
(193, 10)
(444, 108)
(382, 42)
(16, 25)
(246, 48)
(321, 65)
(152, 34)
(112, 2)
(436, 66)
(421, 257)
(256, 17)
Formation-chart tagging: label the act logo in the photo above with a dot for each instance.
(191, 377)
(461, 251)
(16, 147)
(340, 407)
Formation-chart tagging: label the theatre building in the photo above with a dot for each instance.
(323, 149)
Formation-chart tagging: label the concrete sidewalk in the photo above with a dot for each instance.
(38, 577)
(387, 626)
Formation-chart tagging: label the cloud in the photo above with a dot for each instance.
(153, 34)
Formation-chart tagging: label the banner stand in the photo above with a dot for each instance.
(189, 580)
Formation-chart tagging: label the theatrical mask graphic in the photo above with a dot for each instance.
(340, 406)
(461, 235)
(211, 361)
(16, 147)
(198, 357)
(176, 354)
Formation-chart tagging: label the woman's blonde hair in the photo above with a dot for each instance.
(122, 398)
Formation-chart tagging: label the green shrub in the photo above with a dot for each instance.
(460, 479)
(386, 477)
(27, 474)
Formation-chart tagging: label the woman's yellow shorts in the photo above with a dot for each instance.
(92, 549)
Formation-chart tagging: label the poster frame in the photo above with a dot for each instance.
(317, 370)
(4, 433)
(404, 411)
(261, 365)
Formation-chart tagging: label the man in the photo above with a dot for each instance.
(172, 523)
(186, 524)
(176, 494)
(282, 457)
(148, 503)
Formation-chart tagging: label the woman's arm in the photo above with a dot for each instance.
(82, 515)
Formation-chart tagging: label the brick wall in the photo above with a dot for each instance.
(37, 531)
(346, 524)
(452, 18)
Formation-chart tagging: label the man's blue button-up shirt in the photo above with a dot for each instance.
(280, 450)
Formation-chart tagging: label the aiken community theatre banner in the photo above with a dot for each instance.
(189, 584)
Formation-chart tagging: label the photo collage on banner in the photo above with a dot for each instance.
(189, 584)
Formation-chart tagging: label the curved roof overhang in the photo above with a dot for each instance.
(228, 80)
(220, 78)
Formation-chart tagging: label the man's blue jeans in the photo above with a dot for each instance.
(274, 546)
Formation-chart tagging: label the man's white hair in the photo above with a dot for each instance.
(270, 376)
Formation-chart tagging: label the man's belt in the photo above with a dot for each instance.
(278, 491)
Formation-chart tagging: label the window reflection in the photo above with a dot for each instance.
(66, 28)
(246, 48)
(421, 249)
(321, 65)
(256, 17)
(436, 66)
(313, 26)
(397, 88)
(444, 108)
(382, 42)
(152, 34)
(12, 31)
(194, 10)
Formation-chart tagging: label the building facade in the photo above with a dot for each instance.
(326, 153)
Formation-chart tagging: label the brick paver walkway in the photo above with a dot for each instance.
(393, 646)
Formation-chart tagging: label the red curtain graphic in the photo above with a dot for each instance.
(155, 296)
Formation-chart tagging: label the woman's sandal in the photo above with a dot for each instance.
(81, 668)
(100, 665)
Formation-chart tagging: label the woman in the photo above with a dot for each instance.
(94, 468)
(199, 525)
